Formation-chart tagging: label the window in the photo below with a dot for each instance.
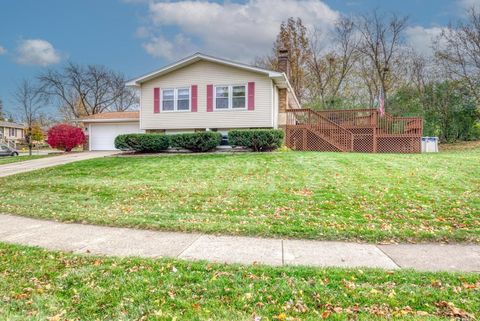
(238, 96)
(168, 100)
(177, 99)
(11, 132)
(221, 97)
(230, 97)
(183, 99)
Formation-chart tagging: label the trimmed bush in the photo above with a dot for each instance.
(259, 140)
(145, 143)
(196, 142)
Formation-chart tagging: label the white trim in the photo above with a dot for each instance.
(109, 120)
(175, 100)
(272, 99)
(140, 110)
(230, 97)
(89, 137)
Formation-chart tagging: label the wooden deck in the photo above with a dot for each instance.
(354, 130)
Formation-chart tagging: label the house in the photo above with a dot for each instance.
(205, 93)
(200, 93)
(11, 132)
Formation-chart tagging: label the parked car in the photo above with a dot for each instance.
(7, 151)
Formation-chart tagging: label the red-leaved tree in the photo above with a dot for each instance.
(65, 137)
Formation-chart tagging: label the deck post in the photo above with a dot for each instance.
(304, 140)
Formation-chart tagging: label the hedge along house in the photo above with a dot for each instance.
(200, 93)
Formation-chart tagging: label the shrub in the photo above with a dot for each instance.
(259, 140)
(145, 143)
(65, 137)
(196, 142)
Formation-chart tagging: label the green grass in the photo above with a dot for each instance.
(369, 197)
(41, 285)
(15, 159)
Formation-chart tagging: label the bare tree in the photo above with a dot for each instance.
(369, 79)
(28, 99)
(382, 44)
(126, 99)
(328, 68)
(458, 51)
(86, 90)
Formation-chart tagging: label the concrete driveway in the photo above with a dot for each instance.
(31, 165)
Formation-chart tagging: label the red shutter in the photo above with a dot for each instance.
(209, 97)
(156, 100)
(194, 98)
(251, 96)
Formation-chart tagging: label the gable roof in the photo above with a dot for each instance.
(199, 57)
(279, 78)
(11, 125)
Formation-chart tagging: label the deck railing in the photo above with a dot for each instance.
(326, 129)
(361, 130)
(371, 118)
(399, 126)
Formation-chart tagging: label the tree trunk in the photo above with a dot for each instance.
(28, 138)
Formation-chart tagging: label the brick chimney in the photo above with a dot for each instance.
(283, 66)
(283, 62)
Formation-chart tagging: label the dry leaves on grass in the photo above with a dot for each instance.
(448, 309)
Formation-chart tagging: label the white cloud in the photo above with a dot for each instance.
(2, 50)
(37, 52)
(421, 38)
(235, 30)
(170, 50)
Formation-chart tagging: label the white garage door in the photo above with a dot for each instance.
(102, 136)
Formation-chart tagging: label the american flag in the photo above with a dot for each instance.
(381, 103)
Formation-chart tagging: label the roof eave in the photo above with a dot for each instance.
(106, 120)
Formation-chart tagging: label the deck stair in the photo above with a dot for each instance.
(357, 130)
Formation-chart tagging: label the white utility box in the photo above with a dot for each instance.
(429, 144)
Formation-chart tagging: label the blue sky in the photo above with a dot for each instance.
(137, 36)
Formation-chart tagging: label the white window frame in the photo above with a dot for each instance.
(175, 100)
(230, 98)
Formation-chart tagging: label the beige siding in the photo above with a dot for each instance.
(275, 109)
(5, 131)
(203, 73)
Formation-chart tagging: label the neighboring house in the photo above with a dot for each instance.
(200, 93)
(10, 131)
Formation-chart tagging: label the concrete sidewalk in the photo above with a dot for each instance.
(81, 238)
(30, 165)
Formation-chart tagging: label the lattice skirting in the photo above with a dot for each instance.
(363, 142)
(303, 139)
(399, 144)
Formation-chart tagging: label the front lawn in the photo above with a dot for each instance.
(15, 159)
(42, 285)
(369, 197)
